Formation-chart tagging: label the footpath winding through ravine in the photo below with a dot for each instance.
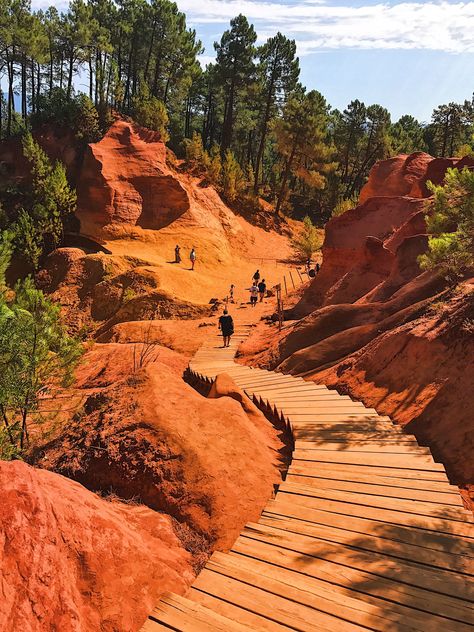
(365, 533)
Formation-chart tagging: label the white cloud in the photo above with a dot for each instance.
(316, 25)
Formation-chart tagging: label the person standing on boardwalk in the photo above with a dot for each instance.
(256, 277)
(226, 325)
(177, 255)
(192, 258)
(262, 288)
(253, 294)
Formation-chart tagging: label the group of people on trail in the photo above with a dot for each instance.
(310, 271)
(192, 255)
(258, 289)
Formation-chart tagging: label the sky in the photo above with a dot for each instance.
(409, 56)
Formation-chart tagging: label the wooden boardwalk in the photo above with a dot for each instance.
(365, 533)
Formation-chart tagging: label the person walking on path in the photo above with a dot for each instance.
(177, 255)
(226, 325)
(256, 277)
(262, 288)
(192, 258)
(231, 293)
(253, 294)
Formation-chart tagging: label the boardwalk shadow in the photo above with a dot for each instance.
(415, 575)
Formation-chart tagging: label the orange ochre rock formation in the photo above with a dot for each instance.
(72, 561)
(374, 325)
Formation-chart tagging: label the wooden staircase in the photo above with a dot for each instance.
(365, 533)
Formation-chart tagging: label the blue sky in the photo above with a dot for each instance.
(409, 56)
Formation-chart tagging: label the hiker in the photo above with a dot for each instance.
(318, 267)
(226, 325)
(262, 288)
(253, 294)
(177, 255)
(192, 258)
(231, 293)
(256, 277)
(308, 265)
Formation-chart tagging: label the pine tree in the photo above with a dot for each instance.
(450, 223)
(278, 72)
(232, 177)
(301, 137)
(235, 69)
(37, 357)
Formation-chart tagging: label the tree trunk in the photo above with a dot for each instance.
(70, 73)
(91, 78)
(263, 135)
(228, 125)
(51, 65)
(33, 87)
(23, 88)
(11, 102)
(286, 174)
(150, 50)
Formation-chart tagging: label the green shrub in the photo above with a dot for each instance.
(450, 222)
(308, 241)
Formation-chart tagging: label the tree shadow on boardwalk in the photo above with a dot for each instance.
(410, 572)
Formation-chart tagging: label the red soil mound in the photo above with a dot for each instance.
(144, 433)
(73, 561)
(125, 180)
(98, 291)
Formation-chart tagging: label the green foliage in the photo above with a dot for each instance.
(49, 204)
(342, 206)
(77, 113)
(36, 358)
(150, 112)
(195, 149)
(308, 241)
(232, 177)
(301, 139)
(450, 223)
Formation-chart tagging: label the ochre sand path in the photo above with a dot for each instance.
(365, 533)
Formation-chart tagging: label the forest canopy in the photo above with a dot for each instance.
(261, 132)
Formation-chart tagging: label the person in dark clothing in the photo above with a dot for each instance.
(226, 325)
(318, 267)
(177, 255)
(262, 288)
(256, 277)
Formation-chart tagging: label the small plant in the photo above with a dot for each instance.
(146, 352)
(342, 206)
(128, 294)
(308, 241)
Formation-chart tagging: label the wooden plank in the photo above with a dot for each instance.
(362, 581)
(371, 612)
(300, 590)
(370, 470)
(315, 470)
(462, 548)
(187, 616)
(302, 387)
(234, 612)
(327, 408)
(399, 461)
(270, 606)
(447, 512)
(391, 516)
(410, 447)
(456, 588)
(375, 486)
(370, 543)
